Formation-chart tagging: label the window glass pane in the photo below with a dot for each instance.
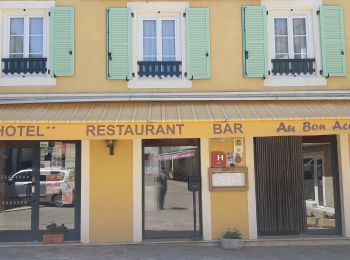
(168, 28)
(300, 47)
(36, 26)
(16, 190)
(149, 40)
(168, 40)
(149, 28)
(16, 26)
(36, 44)
(16, 45)
(168, 49)
(149, 49)
(57, 185)
(281, 27)
(281, 45)
(299, 26)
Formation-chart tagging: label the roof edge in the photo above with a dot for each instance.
(172, 96)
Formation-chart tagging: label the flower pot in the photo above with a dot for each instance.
(53, 238)
(227, 243)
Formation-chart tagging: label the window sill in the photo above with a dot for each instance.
(9, 81)
(295, 82)
(160, 83)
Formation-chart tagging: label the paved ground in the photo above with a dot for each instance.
(169, 252)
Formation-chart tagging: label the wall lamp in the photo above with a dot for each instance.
(111, 144)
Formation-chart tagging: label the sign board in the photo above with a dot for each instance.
(228, 179)
(194, 183)
(218, 159)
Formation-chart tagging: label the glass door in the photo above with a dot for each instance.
(171, 189)
(321, 186)
(17, 191)
(59, 186)
(39, 184)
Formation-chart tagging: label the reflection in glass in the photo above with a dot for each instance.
(318, 187)
(57, 183)
(168, 204)
(16, 191)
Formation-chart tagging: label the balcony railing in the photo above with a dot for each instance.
(24, 65)
(159, 69)
(293, 67)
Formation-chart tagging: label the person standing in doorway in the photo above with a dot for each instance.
(162, 179)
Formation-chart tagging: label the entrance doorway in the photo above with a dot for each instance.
(171, 189)
(39, 185)
(297, 185)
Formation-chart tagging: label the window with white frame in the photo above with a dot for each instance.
(24, 47)
(159, 54)
(293, 46)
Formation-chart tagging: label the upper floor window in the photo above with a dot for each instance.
(159, 47)
(25, 44)
(292, 51)
(26, 37)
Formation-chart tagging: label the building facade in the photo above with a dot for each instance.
(136, 120)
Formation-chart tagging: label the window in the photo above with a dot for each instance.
(26, 37)
(159, 47)
(292, 53)
(290, 38)
(25, 47)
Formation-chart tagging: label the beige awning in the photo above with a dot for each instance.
(103, 112)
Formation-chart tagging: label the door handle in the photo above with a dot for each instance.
(109, 56)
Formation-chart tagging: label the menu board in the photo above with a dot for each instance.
(228, 178)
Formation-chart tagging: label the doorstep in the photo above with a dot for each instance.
(298, 241)
(262, 241)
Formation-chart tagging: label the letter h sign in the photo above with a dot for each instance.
(218, 159)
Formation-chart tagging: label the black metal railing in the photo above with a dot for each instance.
(293, 66)
(24, 65)
(159, 68)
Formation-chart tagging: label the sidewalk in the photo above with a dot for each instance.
(170, 251)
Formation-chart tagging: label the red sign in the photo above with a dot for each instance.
(218, 159)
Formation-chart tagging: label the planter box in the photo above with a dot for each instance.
(328, 223)
(53, 238)
(312, 221)
(231, 243)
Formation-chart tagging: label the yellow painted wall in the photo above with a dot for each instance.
(111, 193)
(229, 208)
(226, 51)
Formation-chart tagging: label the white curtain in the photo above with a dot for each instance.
(168, 40)
(149, 40)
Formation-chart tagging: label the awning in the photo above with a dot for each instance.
(128, 120)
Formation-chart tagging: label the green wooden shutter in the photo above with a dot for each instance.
(197, 43)
(332, 41)
(62, 41)
(255, 52)
(119, 43)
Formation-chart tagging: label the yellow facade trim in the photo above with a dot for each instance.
(91, 131)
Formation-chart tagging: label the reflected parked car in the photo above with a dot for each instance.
(52, 181)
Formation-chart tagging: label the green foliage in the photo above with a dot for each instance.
(52, 228)
(235, 234)
(328, 216)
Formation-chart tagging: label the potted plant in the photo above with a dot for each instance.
(54, 234)
(232, 240)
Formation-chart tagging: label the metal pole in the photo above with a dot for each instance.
(194, 214)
